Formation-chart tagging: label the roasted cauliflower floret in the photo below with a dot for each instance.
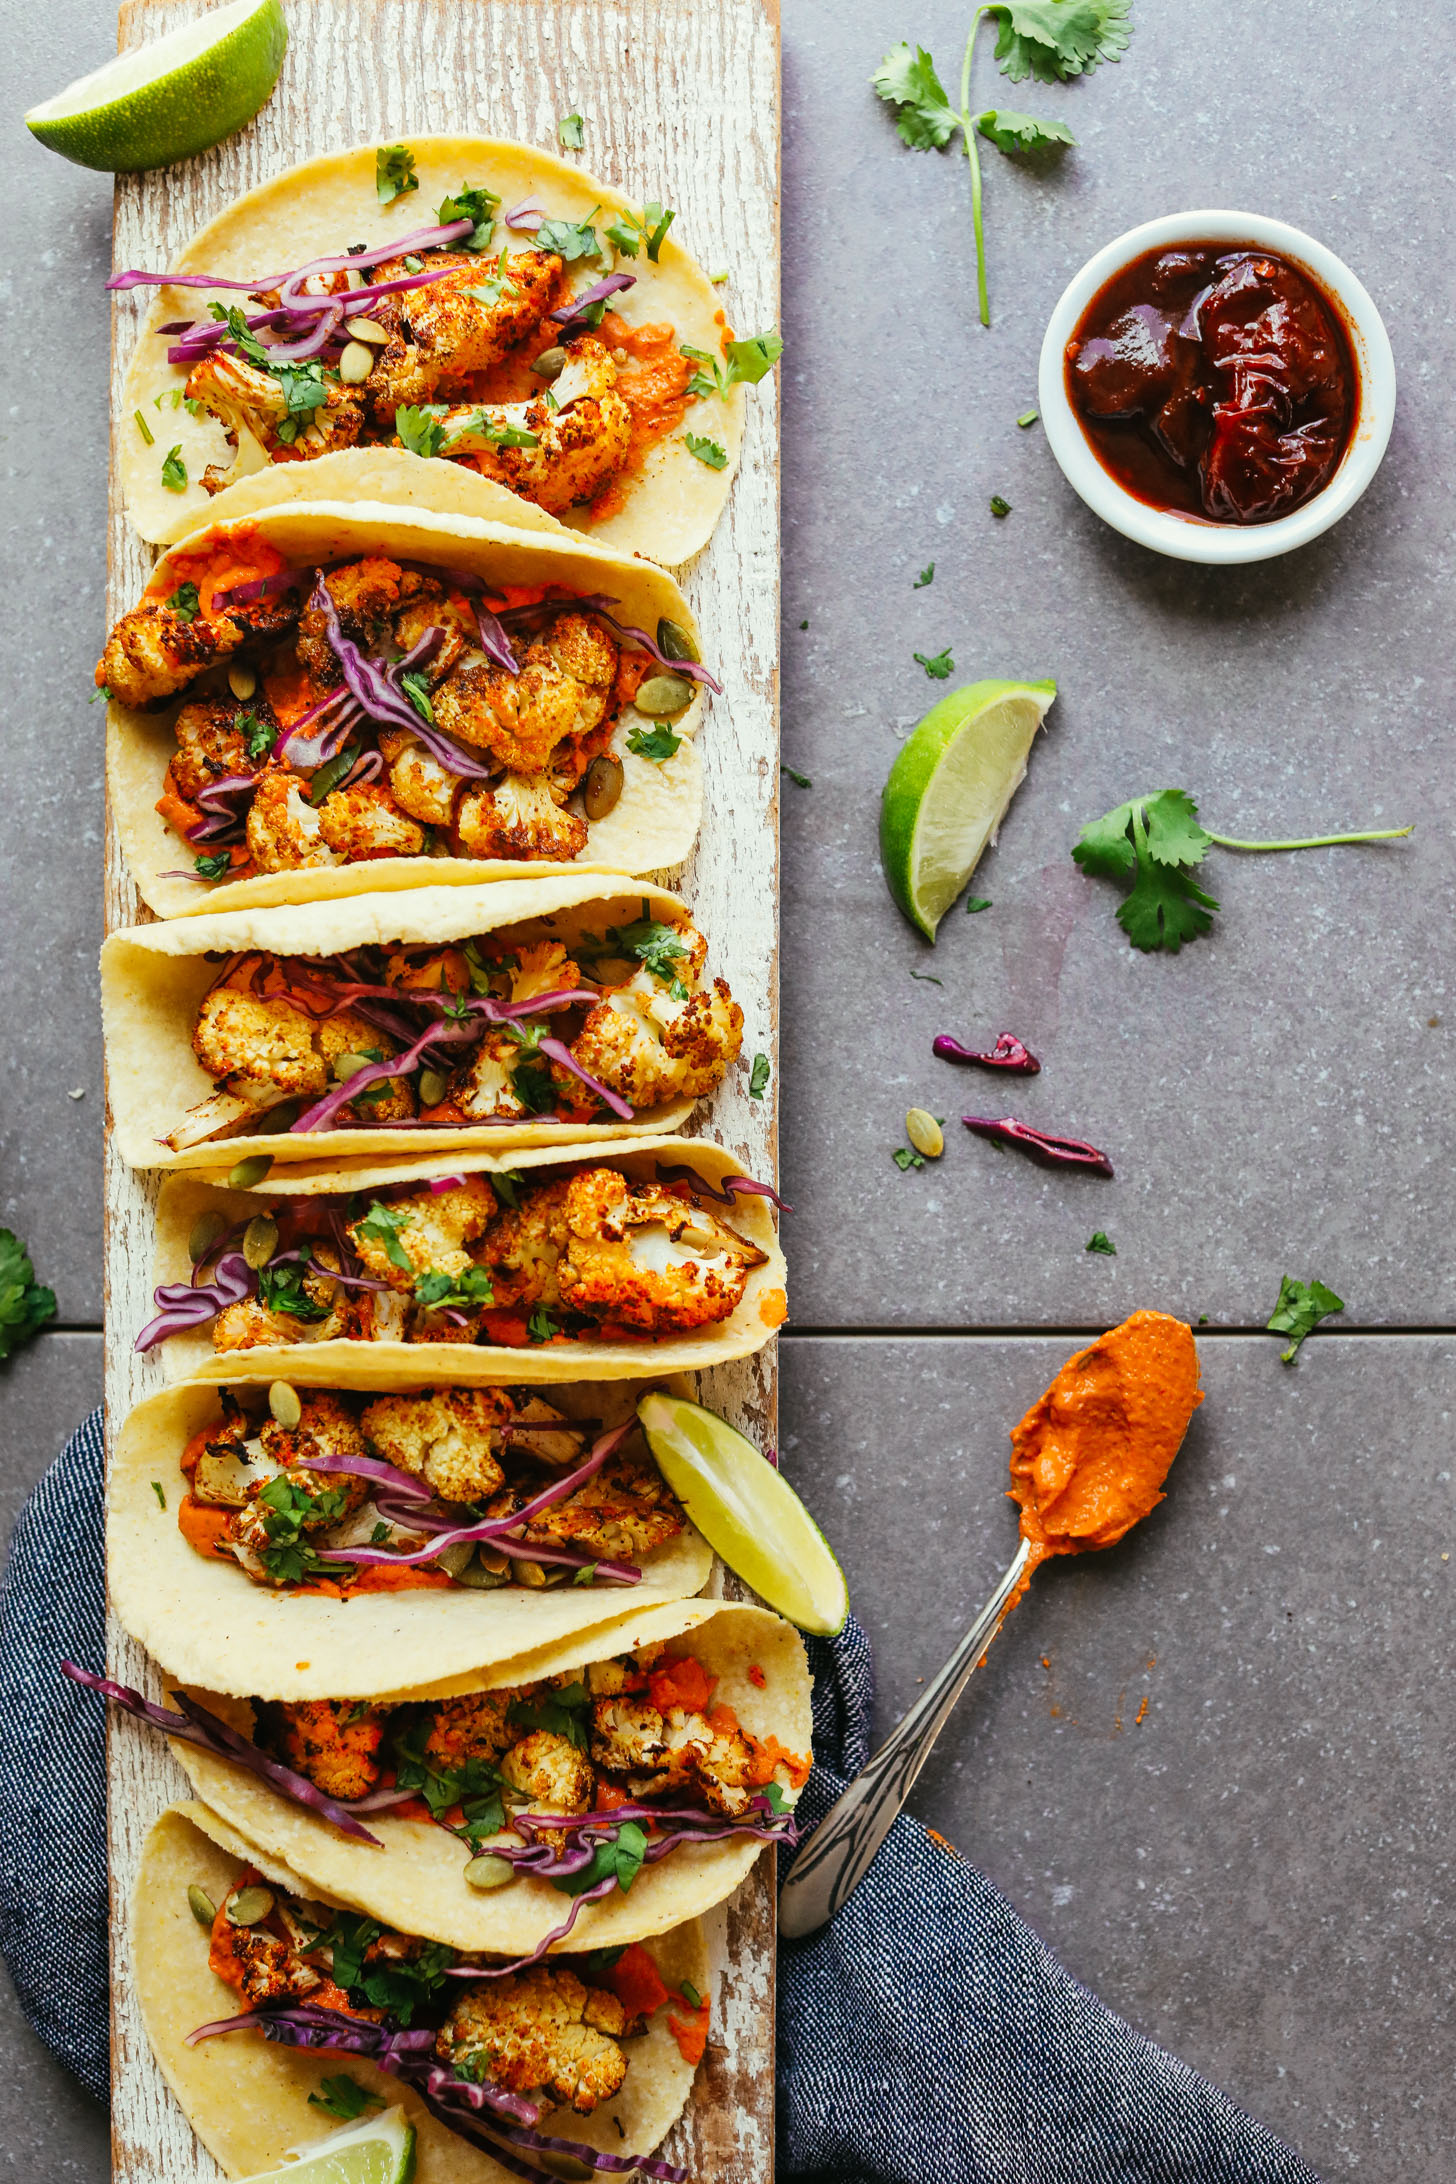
(334, 1742)
(364, 821)
(484, 1086)
(519, 817)
(245, 398)
(541, 2033)
(447, 1436)
(258, 1965)
(651, 1046)
(367, 594)
(283, 829)
(476, 1727)
(518, 719)
(258, 1039)
(250, 1325)
(432, 1229)
(523, 1245)
(622, 1514)
(419, 783)
(210, 745)
(550, 1770)
(582, 434)
(458, 325)
(153, 652)
(658, 1753)
(639, 1254)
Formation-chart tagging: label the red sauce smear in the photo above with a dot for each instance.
(1215, 380)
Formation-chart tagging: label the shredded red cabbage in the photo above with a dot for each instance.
(560, 1052)
(567, 317)
(372, 1467)
(734, 1186)
(258, 587)
(526, 217)
(192, 1304)
(377, 688)
(425, 238)
(219, 801)
(1009, 1053)
(197, 1725)
(493, 640)
(1052, 1152)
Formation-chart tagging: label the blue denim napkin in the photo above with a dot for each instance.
(926, 2035)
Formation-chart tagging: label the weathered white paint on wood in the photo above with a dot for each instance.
(681, 103)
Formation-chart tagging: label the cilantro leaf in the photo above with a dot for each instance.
(258, 734)
(758, 1077)
(174, 470)
(465, 1292)
(289, 1558)
(416, 686)
(508, 1186)
(397, 1984)
(999, 505)
(213, 867)
(345, 2098)
(977, 902)
(1100, 1242)
(420, 427)
(185, 603)
(906, 79)
(938, 665)
(905, 1159)
(656, 946)
(619, 1859)
(754, 357)
(480, 425)
(1301, 1307)
(926, 576)
(707, 451)
(1152, 841)
(1055, 39)
(1012, 133)
(472, 201)
(382, 1224)
(476, 1785)
(394, 172)
(541, 1326)
(281, 1289)
(566, 1713)
(570, 239)
(657, 742)
(630, 230)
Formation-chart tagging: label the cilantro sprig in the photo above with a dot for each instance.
(743, 362)
(382, 1225)
(1155, 842)
(472, 201)
(394, 172)
(631, 230)
(1301, 1307)
(1051, 40)
(25, 1306)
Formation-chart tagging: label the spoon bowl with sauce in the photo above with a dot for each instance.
(1217, 386)
(1088, 1462)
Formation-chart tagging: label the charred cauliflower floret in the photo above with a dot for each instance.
(484, 1087)
(639, 1254)
(540, 2033)
(656, 1752)
(622, 1514)
(283, 830)
(660, 1036)
(446, 1436)
(325, 1428)
(523, 1246)
(250, 1325)
(519, 817)
(463, 323)
(245, 398)
(476, 1727)
(429, 609)
(258, 1965)
(550, 1770)
(258, 1040)
(364, 821)
(153, 652)
(419, 782)
(518, 719)
(431, 1228)
(334, 1742)
(367, 594)
(210, 744)
(582, 434)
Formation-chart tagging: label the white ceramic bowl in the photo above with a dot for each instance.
(1194, 538)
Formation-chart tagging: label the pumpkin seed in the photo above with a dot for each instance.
(603, 785)
(488, 1872)
(452, 1560)
(201, 1905)
(356, 363)
(206, 1230)
(367, 329)
(244, 1174)
(432, 1087)
(549, 364)
(242, 681)
(528, 1573)
(924, 1133)
(349, 1065)
(477, 1578)
(663, 695)
(283, 1402)
(260, 1240)
(250, 1906)
(676, 642)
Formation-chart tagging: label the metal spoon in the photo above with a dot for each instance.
(847, 1840)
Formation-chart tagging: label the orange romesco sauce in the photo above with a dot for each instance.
(653, 382)
(220, 561)
(1089, 1458)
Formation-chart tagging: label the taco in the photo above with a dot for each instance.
(500, 314)
(553, 1266)
(323, 697)
(564, 1009)
(272, 2011)
(435, 1529)
(629, 1790)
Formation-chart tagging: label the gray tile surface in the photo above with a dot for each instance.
(1211, 1766)
(1255, 1872)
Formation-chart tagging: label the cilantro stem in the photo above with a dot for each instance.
(968, 133)
(1316, 841)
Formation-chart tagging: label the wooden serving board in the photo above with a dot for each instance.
(681, 103)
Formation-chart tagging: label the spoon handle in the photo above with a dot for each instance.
(844, 1845)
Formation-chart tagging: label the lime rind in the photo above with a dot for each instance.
(379, 2150)
(949, 790)
(169, 99)
(747, 1512)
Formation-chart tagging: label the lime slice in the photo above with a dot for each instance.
(380, 2151)
(949, 788)
(747, 1512)
(177, 95)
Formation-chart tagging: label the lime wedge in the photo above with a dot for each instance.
(747, 1512)
(177, 95)
(380, 2151)
(949, 788)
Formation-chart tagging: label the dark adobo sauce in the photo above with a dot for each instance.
(1215, 380)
